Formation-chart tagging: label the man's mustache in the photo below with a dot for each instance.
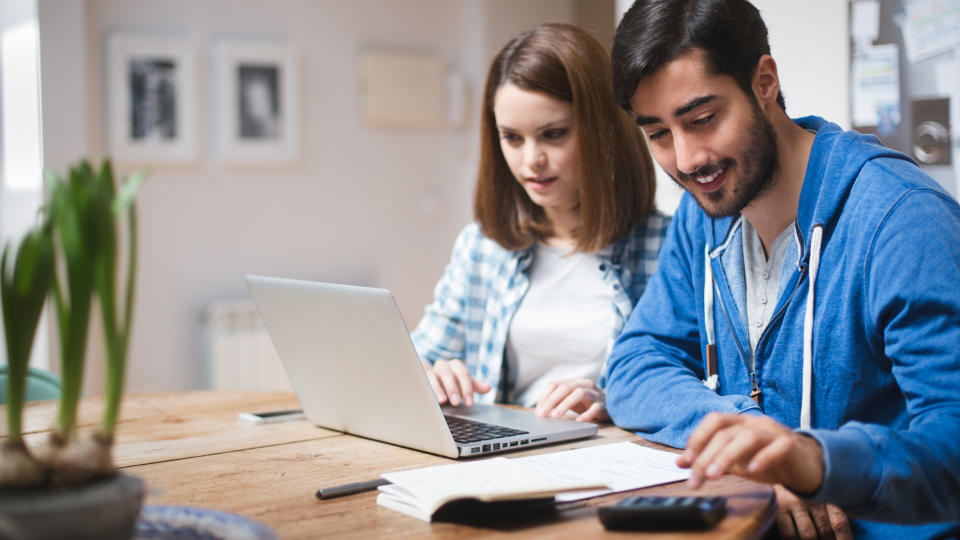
(706, 170)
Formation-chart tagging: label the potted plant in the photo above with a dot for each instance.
(72, 255)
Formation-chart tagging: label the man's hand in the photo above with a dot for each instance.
(754, 447)
(451, 381)
(799, 519)
(578, 395)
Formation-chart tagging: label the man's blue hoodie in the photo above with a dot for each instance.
(884, 377)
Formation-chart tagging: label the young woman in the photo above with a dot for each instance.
(565, 237)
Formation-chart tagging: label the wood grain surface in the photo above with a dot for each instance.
(192, 450)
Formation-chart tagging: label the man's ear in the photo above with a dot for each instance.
(766, 81)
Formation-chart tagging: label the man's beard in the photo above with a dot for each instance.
(756, 172)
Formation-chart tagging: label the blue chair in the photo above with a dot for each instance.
(41, 385)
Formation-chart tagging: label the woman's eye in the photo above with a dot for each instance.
(510, 137)
(554, 134)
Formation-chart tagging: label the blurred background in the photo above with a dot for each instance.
(363, 174)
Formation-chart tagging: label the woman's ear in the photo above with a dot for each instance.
(766, 81)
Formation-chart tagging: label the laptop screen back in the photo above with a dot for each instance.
(351, 362)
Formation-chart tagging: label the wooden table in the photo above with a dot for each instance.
(192, 450)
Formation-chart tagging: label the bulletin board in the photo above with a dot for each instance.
(905, 80)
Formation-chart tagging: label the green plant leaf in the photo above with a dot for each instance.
(6, 301)
(106, 179)
(34, 265)
(128, 191)
(72, 219)
(24, 289)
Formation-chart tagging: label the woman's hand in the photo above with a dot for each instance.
(451, 382)
(578, 395)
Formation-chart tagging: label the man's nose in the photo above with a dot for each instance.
(690, 154)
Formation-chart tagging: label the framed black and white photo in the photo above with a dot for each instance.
(256, 102)
(151, 99)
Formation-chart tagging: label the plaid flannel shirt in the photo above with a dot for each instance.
(482, 286)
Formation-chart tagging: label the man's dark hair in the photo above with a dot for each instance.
(653, 32)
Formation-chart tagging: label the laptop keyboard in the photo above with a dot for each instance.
(468, 431)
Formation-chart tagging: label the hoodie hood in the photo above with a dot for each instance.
(835, 161)
(834, 164)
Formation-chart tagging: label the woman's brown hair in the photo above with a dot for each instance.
(616, 174)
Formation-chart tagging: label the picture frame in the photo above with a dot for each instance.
(151, 99)
(256, 102)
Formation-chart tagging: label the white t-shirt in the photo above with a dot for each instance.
(562, 327)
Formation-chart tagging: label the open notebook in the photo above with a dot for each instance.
(526, 484)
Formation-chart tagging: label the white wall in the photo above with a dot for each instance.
(809, 42)
(20, 143)
(363, 205)
(20, 193)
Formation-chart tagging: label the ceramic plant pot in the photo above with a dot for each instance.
(104, 509)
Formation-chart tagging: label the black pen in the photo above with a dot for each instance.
(350, 489)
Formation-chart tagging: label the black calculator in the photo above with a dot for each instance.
(663, 513)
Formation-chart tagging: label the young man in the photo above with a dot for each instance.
(803, 328)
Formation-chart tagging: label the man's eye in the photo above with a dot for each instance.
(554, 134)
(705, 120)
(660, 133)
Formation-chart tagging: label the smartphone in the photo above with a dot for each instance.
(269, 417)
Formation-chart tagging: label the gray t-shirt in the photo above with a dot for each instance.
(762, 278)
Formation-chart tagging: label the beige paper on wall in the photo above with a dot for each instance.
(403, 90)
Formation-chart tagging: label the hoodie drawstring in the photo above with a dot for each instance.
(712, 377)
(711, 382)
(815, 245)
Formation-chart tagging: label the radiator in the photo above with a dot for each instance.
(240, 354)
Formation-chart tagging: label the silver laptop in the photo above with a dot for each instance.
(353, 366)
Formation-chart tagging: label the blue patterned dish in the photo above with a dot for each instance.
(190, 523)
